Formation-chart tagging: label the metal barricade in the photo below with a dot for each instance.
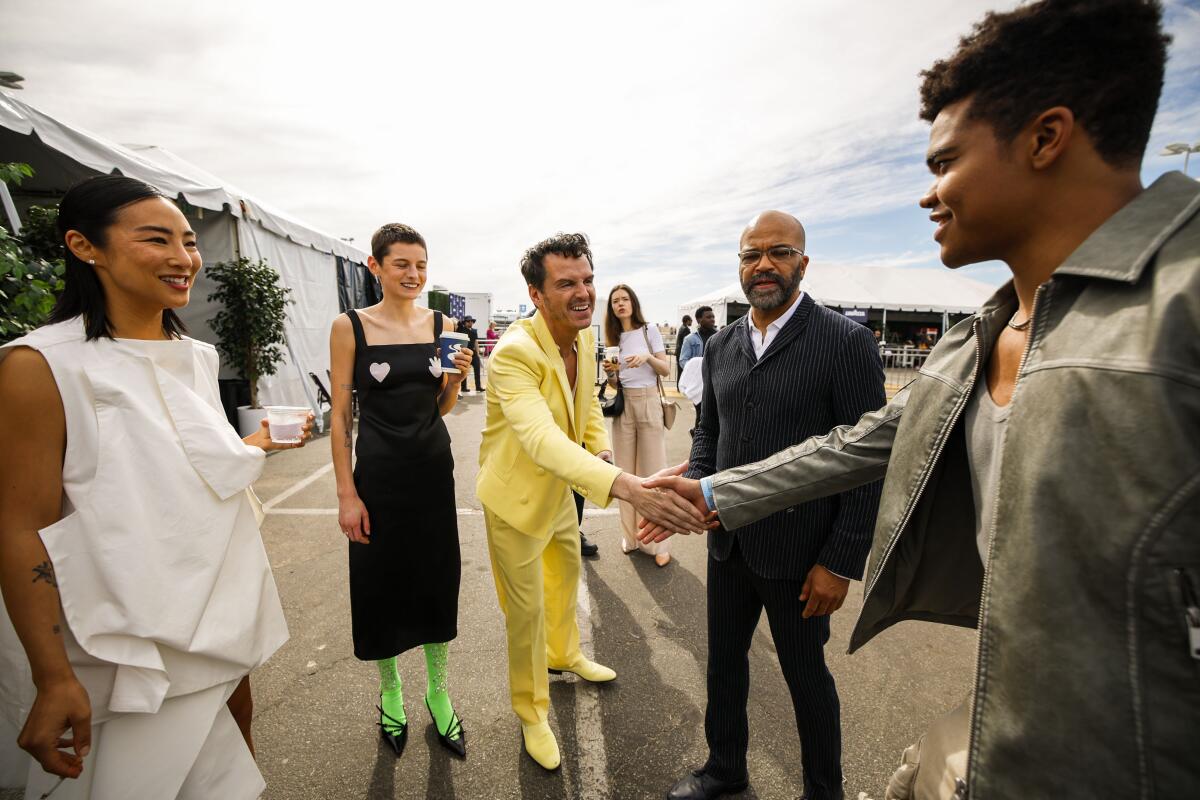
(901, 365)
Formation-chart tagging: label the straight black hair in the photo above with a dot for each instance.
(91, 208)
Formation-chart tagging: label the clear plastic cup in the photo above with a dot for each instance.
(286, 423)
(612, 354)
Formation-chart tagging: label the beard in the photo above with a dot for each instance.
(769, 298)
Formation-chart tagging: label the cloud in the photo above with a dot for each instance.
(657, 127)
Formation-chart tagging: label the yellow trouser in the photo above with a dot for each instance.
(537, 583)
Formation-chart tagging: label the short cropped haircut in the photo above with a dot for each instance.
(701, 311)
(1103, 59)
(569, 245)
(394, 233)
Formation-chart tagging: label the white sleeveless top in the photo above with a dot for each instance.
(165, 584)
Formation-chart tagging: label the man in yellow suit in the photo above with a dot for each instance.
(540, 409)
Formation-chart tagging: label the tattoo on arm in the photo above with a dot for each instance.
(57, 630)
(45, 572)
(349, 442)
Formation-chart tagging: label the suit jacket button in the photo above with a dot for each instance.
(541, 471)
(524, 500)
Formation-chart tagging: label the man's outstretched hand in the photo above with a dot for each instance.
(672, 481)
(660, 507)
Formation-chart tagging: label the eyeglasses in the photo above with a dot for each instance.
(779, 254)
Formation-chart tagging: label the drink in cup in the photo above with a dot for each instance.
(450, 342)
(286, 423)
(612, 354)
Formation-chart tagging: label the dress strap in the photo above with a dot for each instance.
(437, 326)
(360, 338)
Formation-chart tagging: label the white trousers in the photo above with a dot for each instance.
(190, 750)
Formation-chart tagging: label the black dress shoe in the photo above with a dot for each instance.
(393, 731)
(455, 738)
(699, 785)
(586, 548)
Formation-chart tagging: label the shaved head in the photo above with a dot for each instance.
(776, 223)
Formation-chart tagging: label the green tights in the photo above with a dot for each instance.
(436, 685)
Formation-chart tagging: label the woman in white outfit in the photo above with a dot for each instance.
(137, 589)
(639, 437)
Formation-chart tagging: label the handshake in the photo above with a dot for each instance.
(666, 502)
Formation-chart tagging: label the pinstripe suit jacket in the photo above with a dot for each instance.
(821, 370)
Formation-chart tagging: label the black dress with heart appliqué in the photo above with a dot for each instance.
(404, 584)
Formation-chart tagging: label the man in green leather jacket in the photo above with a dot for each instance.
(1055, 435)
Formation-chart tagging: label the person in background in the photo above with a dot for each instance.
(473, 343)
(639, 436)
(586, 548)
(693, 345)
(684, 331)
(396, 501)
(489, 338)
(131, 563)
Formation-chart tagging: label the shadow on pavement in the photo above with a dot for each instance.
(383, 774)
(650, 727)
(440, 785)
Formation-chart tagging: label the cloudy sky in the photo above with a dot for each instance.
(658, 127)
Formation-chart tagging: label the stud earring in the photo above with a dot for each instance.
(92, 261)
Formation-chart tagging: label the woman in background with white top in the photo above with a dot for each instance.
(639, 437)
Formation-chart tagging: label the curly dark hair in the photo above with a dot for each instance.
(394, 233)
(1103, 59)
(570, 245)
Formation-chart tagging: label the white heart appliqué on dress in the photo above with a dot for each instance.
(380, 371)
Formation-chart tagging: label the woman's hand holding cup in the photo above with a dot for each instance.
(462, 359)
(262, 437)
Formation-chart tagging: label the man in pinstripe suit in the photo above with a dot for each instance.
(788, 370)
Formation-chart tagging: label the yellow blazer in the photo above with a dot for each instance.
(535, 426)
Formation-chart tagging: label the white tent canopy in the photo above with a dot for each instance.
(243, 225)
(940, 291)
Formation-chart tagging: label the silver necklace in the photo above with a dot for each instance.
(1022, 326)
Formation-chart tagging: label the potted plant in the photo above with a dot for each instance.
(249, 326)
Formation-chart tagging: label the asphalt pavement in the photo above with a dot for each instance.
(315, 715)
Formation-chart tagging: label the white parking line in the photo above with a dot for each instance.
(279, 498)
(462, 512)
(593, 757)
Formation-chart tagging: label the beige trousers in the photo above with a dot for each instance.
(639, 442)
(537, 584)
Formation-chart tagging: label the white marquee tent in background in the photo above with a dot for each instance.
(933, 291)
(228, 222)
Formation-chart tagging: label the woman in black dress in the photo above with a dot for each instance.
(397, 506)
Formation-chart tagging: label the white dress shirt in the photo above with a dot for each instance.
(761, 341)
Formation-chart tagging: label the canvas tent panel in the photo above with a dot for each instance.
(855, 286)
(311, 275)
(91, 151)
(216, 238)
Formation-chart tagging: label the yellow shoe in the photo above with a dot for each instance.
(588, 670)
(541, 745)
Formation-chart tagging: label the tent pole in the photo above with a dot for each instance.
(883, 335)
(10, 208)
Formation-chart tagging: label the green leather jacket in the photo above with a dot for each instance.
(1088, 674)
